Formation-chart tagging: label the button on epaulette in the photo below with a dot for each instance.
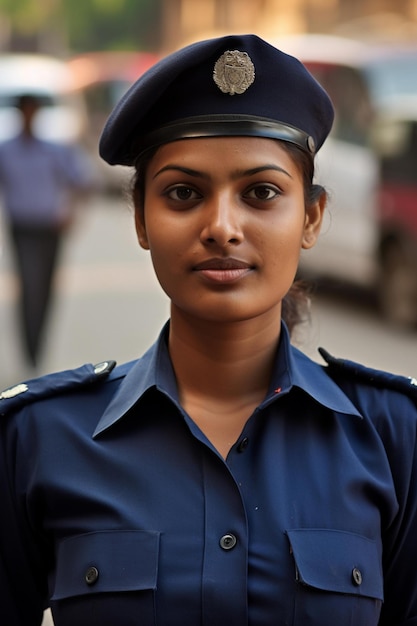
(53, 385)
(377, 378)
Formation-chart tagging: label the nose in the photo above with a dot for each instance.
(222, 222)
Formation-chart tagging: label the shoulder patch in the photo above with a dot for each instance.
(377, 378)
(53, 385)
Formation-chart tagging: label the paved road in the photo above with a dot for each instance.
(109, 306)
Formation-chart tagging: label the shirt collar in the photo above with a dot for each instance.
(292, 369)
(295, 369)
(152, 370)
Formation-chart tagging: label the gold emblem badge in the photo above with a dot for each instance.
(234, 72)
(13, 391)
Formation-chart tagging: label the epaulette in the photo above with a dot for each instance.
(53, 385)
(377, 378)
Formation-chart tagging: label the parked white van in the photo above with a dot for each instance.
(369, 167)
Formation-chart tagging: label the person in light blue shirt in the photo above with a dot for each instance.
(38, 180)
(222, 478)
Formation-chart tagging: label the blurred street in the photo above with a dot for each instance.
(108, 305)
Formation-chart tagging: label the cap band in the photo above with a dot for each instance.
(225, 126)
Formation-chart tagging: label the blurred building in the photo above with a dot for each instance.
(184, 21)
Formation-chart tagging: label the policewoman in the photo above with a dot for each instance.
(223, 478)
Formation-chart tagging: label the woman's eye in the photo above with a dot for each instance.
(262, 192)
(183, 193)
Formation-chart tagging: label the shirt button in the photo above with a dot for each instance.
(227, 542)
(243, 445)
(356, 576)
(91, 576)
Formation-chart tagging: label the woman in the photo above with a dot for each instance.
(223, 478)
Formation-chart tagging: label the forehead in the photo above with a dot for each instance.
(224, 152)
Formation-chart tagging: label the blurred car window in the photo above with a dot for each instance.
(351, 98)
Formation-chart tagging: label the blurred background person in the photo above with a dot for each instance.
(39, 183)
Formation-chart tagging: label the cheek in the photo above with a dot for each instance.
(167, 247)
(157, 232)
(170, 234)
(282, 239)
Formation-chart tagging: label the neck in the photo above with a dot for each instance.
(223, 371)
(223, 360)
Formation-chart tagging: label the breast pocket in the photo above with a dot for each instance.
(339, 578)
(106, 578)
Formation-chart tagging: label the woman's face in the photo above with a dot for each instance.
(225, 220)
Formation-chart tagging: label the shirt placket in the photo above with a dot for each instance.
(225, 563)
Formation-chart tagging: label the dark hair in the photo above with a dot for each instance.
(30, 99)
(296, 303)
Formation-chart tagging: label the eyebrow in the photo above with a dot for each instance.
(180, 168)
(263, 168)
(236, 175)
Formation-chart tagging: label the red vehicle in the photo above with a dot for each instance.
(395, 142)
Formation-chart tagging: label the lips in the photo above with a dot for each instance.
(222, 264)
(223, 271)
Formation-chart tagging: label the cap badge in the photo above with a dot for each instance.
(234, 72)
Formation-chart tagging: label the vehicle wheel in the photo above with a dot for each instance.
(397, 291)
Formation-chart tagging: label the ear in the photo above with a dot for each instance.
(141, 230)
(313, 221)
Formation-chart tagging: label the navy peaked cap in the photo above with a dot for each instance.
(237, 85)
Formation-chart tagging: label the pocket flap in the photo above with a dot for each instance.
(339, 561)
(106, 561)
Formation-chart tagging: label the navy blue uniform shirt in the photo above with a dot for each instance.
(116, 509)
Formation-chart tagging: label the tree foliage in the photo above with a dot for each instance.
(86, 24)
(26, 15)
